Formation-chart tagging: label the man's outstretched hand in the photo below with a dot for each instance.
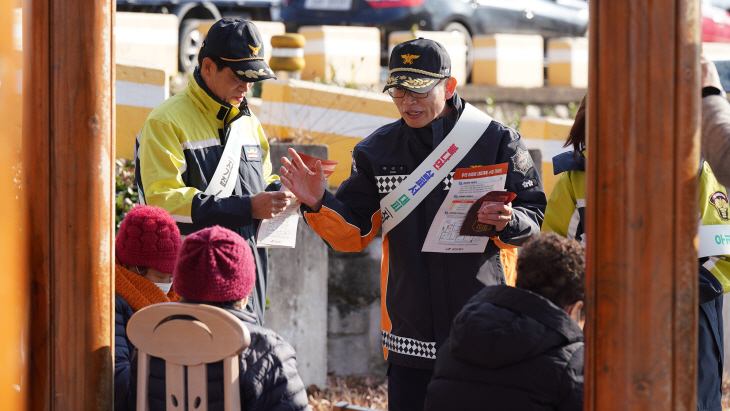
(306, 185)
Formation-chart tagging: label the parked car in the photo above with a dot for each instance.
(549, 18)
(190, 12)
(716, 21)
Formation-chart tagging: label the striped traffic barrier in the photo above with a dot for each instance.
(336, 116)
(148, 39)
(345, 53)
(508, 60)
(454, 42)
(568, 62)
(287, 54)
(138, 90)
(547, 135)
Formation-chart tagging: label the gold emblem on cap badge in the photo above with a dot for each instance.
(255, 49)
(408, 58)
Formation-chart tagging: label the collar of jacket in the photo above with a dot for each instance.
(207, 102)
(532, 305)
(568, 162)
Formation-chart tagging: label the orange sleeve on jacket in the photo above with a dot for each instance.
(503, 246)
(509, 264)
(340, 234)
(385, 323)
(508, 256)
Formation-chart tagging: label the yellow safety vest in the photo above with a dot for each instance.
(714, 227)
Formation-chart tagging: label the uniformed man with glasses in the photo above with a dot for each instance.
(400, 176)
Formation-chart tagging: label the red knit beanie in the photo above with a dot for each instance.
(148, 237)
(215, 265)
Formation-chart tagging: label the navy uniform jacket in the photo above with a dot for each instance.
(422, 292)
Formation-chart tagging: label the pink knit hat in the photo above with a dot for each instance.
(148, 237)
(215, 265)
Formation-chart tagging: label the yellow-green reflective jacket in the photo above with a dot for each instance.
(565, 211)
(177, 153)
(714, 227)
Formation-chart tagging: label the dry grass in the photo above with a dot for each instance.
(366, 392)
(373, 393)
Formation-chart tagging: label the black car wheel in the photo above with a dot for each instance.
(458, 27)
(190, 42)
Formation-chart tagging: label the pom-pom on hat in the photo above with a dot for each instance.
(215, 265)
(148, 237)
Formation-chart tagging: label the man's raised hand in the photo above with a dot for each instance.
(306, 185)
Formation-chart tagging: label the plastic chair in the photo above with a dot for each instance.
(189, 335)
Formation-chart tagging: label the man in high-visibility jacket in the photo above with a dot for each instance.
(182, 162)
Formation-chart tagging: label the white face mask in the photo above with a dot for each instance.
(165, 287)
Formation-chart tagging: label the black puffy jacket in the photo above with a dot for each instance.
(269, 380)
(509, 350)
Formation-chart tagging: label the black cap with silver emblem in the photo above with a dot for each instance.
(238, 43)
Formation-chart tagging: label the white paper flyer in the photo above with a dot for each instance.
(280, 231)
(468, 186)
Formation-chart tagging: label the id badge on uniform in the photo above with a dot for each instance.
(253, 153)
(251, 147)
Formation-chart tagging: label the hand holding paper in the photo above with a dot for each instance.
(268, 204)
(453, 228)
(489, 214)
(306, 175)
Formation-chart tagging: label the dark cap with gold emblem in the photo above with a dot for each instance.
(238, 43)
(418, 65)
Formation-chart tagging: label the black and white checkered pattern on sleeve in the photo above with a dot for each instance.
(409, 346)
(388, 183)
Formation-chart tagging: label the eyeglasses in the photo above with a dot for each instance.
(397, 92)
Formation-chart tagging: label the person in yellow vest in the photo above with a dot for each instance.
(567, 202)
(202, 155)
(565, 215)
(714, 270)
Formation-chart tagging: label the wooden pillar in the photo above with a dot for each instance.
(643, 152)
(13, 228)
(68, 145)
